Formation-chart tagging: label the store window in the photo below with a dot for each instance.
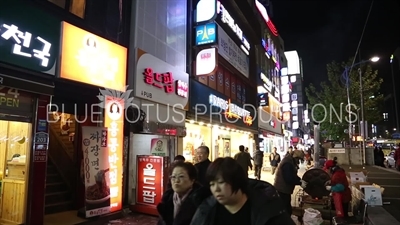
(15, 145)
(197, 135)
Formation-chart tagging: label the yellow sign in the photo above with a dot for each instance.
(91, 59)
(247, 119)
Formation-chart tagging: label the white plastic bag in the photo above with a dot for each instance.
(296, 220)
(312, 217)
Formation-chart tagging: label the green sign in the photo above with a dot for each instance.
(29, 37)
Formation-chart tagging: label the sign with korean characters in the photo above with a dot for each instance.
(96, 170)
(114, 121)
(152, 177)
(26, 42)
(160, 82)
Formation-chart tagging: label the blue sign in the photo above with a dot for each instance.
(396, 135)
(206, 34)
(217, 108)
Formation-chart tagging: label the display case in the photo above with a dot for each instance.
(15, 146)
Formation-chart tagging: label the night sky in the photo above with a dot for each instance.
(323, 31)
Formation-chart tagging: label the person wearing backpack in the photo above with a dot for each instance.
(275, 159)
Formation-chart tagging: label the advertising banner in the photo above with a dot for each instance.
(152, 178)
(96, 169)
(159, 147)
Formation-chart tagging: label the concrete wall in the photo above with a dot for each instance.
(355, 156)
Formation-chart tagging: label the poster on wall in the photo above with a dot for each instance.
(159, 147)
(96, 168)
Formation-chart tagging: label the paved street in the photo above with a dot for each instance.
(390, 180)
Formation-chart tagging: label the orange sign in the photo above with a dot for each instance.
(114, 121)
(247, 119)
(90, 59)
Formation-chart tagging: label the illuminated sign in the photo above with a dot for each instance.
(271, 51)
(90, 59)
(261, 8)
(114, 121)
(263, 99)
(267, 83)
(231, 110)
(206, 34)
(227, 18)
(206, 10)
(165, 81)
(206, 61)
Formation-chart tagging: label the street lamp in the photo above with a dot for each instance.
(394, 94)
(346, 76)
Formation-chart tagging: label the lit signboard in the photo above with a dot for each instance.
(261, 8)
(206, 34)
(231, 110)
(206, 61)
(228, 19)
(271, 51)
(206, 10)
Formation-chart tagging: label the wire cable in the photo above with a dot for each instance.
(360, 41)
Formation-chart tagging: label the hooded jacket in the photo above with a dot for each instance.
(340, 183)
(266, 207)
(189, 205)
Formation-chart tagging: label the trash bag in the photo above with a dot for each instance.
(295, 220)
(312, 217)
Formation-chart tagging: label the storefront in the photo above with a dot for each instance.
(28, 50)
(158, 127)
(217, 122)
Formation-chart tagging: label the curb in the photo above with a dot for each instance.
(387, 169)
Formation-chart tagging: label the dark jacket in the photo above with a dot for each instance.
(266, 207)
(275, 159)
(201, 172)
(244, 160)
(188, 208)
(258, 158)
(286, 175)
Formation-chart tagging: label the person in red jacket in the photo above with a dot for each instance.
(339, 186)
(397, 157)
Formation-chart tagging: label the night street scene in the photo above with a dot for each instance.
(199, 112)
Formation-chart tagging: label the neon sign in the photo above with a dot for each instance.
(228, 19)
(271, 51)
(231, 110)
(23, 40)
(261, 8)
(166, 81)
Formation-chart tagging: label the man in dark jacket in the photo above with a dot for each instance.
(203, 162)
(274, 159)
(244, 159)
(286, 179)
(258, 158)
(237, 200)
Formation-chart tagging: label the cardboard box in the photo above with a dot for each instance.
(357, 177)
(372, 195)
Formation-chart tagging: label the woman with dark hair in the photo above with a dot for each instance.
(178, 204)
(237, 200)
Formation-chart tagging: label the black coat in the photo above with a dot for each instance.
(267, 207)
(201, 172)
(187, 210)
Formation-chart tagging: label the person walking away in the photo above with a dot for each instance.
(274, 159)
(177, 205)
(258, 158)
(203, 153)
(397, 157)
(244, 159)
(286, 179)
(237, 200)
(339, 186)
(381, 158)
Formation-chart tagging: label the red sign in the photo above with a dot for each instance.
(166, 81)
(149, 180)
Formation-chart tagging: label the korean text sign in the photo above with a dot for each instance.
(149, 179)
(96, 170)
(90, 59)
(29, 43)
(160, 82)
(114, 121)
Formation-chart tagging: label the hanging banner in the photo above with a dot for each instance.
(96, 165)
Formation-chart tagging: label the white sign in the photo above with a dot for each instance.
(22, 44)
(161, 82)
(267, 83)
(228, 49)
(225, 105)
(96, 169)
(228, 19)
(206, 61)
(205, 10)
(337, 150)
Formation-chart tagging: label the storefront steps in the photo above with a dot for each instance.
(64, 137)
(58, 197)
